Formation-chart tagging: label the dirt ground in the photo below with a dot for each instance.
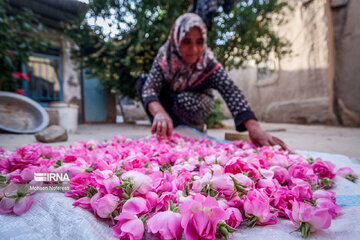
(319, 138)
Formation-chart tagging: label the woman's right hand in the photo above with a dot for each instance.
(162, 123)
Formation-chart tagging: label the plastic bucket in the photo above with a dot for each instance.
(68, 115)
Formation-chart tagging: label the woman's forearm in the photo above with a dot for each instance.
(155, 107)
(251, 124)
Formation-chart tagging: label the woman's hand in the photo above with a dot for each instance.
(162, 123)
(261, 138)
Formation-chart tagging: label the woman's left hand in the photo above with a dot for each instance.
(261, 138)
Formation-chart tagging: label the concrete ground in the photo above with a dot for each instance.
(335, 140)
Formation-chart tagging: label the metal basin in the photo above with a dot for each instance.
(20, 114)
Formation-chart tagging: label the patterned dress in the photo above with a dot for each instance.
(191, 107)
(185, 90)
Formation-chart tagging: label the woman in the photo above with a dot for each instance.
(178, 88)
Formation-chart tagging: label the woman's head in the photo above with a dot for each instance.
(189, 36)
(192, 46)
(185, 59)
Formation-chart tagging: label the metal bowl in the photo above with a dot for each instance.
(20, 114)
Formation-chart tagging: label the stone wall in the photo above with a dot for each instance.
(319, 82)
(298, 90)
(346, 96)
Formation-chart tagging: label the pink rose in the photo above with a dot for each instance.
(119, 138)
(264, 156)
(235, 217)
(200, 217)
(243, 165)
(9, 190)
(73, 168)
(266, 173)
(142, 183)
(269, 186)
(201, 182)
(93, 200)
(69, 159)
(101, 160)
(135, 161)
(46, 151)
(107, 181)
(5, 164)
(23, 205)
(223, 184)
(316, 219)
(299, 170)
(163, 201)
(181, 179)
(136, 205)
(129, 226)
(169, 157)
(27, 174)
(152, 198)
(327, 203)
(282, 200)
(347, 173)
(323, 169)
(79, 185)
(281, 174)
(106, 205)
(301, 189)
(25, 155)
(244, 180)
(165, 225)
(256, 203)
(303, 171)
(279, 160)
(8, 205)
(83, 202)
(324, 194)
(163, 182)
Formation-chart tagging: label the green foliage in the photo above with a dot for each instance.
(246, 33)
(19, 37)
(117, 58)
(216, 116)
(143, 26)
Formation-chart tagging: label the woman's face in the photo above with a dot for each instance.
(192, 46)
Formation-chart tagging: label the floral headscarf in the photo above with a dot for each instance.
(180, 75)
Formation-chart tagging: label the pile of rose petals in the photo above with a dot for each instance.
(178, 186)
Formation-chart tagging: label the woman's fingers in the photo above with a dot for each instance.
(278, 141)
(163, 128)
(162, 125)
(170, 129)
(265, 142)
(153, 127)
(261, 138)
(160, 129)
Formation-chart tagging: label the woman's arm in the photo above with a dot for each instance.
(261, 138)
(162, 123)
(243, 116)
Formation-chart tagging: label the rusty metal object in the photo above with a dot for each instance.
(20, 114)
